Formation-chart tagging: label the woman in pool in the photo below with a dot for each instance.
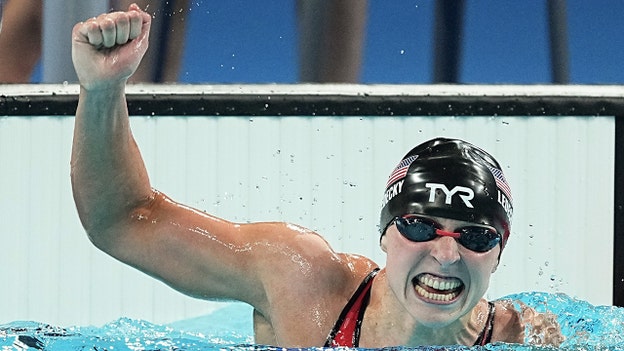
(446, 218)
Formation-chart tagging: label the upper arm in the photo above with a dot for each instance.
(208, 257)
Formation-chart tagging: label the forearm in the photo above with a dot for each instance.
(109, 179)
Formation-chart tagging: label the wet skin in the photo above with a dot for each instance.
(430, 293)
(437, 281)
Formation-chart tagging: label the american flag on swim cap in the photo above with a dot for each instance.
(401, 169)
(501, 182)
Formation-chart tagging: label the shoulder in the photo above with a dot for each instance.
(293, 255)
(305, 248)
(304, 279)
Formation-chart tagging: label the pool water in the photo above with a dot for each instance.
(586, 327)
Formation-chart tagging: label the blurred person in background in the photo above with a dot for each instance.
(331, 37)
(21, 34)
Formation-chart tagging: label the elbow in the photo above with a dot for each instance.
(106, 226)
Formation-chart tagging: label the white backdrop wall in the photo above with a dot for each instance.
(326, 173)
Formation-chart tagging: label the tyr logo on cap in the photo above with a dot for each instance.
(466, 194)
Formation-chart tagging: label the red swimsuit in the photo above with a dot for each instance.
(346, 332)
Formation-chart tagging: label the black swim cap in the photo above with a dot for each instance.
(453, 179)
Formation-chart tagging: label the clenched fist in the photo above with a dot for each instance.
(106, 50)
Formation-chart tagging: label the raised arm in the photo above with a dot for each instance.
(120, 211)
(190, 250)
(108, 174)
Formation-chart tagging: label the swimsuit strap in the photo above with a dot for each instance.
(346, 331)
(485, 337)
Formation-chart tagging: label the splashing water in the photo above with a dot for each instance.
(586, 327)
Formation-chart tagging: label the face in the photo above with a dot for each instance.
(437, 281)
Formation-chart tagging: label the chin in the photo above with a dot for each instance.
(437, 308)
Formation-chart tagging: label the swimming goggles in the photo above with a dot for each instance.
(477, 239)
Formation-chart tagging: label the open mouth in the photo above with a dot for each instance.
(437, 289)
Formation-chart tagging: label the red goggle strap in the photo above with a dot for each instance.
(445, 233)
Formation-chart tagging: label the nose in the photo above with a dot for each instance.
(445, 250)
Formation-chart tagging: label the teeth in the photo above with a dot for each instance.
(439, 283)
(436, 297)
(446, 289)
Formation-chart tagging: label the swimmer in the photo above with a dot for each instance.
(444, 224)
